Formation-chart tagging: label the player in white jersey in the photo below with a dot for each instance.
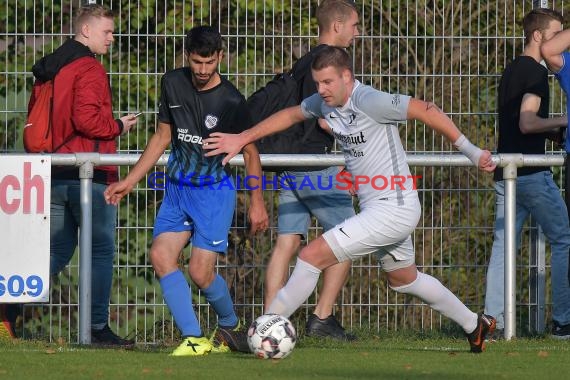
(364, 121)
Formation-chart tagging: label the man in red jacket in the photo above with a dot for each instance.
(83, 122)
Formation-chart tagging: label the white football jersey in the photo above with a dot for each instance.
(366, 128)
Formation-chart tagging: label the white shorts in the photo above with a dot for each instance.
(382, 228)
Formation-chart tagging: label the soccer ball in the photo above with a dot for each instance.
(271, 336)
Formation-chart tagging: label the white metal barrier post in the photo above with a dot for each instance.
(510, 179)
(85, 161)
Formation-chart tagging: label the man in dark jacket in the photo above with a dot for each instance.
(83, 122)
(200, 197)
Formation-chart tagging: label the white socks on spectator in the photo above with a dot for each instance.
(439, 298)
(301, 284)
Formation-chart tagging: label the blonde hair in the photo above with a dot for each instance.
(88, 11)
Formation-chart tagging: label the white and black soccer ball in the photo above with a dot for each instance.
(271, 336)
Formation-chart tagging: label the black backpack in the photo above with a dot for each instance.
(284, 90)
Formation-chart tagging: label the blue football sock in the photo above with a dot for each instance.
(218, 295)
(178, 297)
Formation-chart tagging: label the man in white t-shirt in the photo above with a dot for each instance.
(364, 122)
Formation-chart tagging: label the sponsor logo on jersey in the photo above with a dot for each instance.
(211, 121)
(351, 118)
(395, 100)
(350, 139)
(183, 135)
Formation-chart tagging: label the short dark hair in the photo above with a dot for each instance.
(331, 56)
(330, 11)
(538, 19)
(203, 40)
(91, 10)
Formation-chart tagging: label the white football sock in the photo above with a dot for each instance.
(301, 284)
(439, 298)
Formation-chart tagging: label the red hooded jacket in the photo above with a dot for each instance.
(82, 112)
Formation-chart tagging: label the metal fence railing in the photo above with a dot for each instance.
(534, 281)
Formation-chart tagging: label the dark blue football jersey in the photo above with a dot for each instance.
(192, 116)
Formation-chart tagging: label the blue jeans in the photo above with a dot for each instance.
(538, 196)
(65, 224)
(307, 193)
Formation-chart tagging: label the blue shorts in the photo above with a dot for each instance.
(313, 193)
(206, 212)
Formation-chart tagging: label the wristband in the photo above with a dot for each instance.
(471, 151)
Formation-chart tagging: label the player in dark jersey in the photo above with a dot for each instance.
(199, 201)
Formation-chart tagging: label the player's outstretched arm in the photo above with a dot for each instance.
(232, 144)
(154, 149)
(429, 114)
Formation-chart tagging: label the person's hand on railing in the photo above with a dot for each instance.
(486, 162)
(482, 158)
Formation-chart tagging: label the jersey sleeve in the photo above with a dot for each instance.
(563, 75)
(241, 118)
(535, 83)
(382, 107)
(312, 107)
(163, 110)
